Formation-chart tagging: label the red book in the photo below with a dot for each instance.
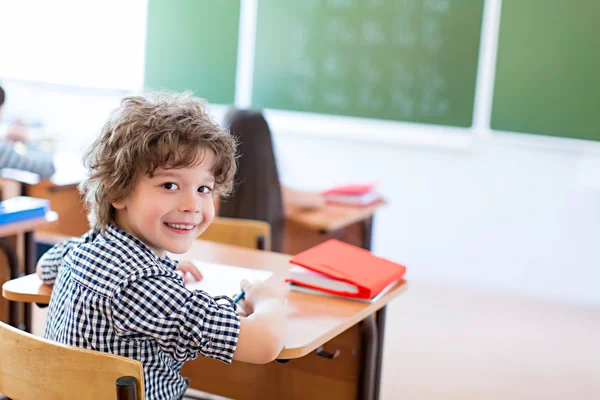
(355, 189)
(357, 194)
(344, 270)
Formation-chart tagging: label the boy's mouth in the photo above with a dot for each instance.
(180, 227)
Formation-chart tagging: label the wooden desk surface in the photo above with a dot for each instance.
(312, 320)
(27, 225)
(331, 217)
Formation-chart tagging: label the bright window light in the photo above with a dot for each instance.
(97, 44)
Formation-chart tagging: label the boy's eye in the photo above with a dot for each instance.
(170, 186)
(204, 189)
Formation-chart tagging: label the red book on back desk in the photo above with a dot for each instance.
(355, 195)
(349, 264)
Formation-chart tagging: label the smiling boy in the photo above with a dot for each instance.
(153, 172)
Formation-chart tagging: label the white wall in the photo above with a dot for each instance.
(469, 207)
(509, 218)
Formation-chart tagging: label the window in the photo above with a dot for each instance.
(97, 44)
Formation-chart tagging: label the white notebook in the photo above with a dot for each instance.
(305, 275)
(354, 199)
(303, 289)
(221, 279)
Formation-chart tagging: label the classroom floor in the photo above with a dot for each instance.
(453, 343)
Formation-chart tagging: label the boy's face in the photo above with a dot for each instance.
(171, 209)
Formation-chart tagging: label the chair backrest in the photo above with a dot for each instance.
(36, 368)
(239, 232)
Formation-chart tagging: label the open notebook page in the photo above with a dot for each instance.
(221, 279)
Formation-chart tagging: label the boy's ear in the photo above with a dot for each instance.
(119, 205)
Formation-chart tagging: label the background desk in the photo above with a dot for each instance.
(307, 228)
(65, 199)
(15, 263)
(354, 329)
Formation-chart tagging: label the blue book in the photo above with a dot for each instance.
(22, 208)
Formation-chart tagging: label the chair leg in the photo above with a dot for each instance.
(127, 388)
(260, 242)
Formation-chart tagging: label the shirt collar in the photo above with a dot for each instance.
(112, 232)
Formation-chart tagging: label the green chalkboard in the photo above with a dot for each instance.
(192, 44)
(405, 60)
(548, 68)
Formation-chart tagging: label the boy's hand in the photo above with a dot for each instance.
(187, 267)
(261, 292)
(16, 132)
(241, 310)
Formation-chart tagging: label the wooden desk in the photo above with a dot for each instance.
(9, 247)
(332, 221)
(350, 332)
(66, 201)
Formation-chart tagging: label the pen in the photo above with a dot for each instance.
(239, 296)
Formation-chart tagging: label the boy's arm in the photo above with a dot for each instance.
(49, 264)
(9, 158)
(186, 323)
(262, 334)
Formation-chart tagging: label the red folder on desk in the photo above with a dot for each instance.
(356, 195)
(344, 270)
(354, 189)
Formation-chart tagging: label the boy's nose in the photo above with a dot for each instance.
(191, 203)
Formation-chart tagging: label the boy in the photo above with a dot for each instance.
(9, 158)
(152, 175)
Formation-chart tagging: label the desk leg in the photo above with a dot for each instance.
(367, 232)
(30, 255)
(13, 261)
(380, 334)
(372, 331)
(368, 370)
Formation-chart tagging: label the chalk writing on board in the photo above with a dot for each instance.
(299, 34)
(408, 83)
(336, 98)
(369, 99)
(403, 33)
(405, 6)
(440, 6)
(338, 30)
(301, 93)
(302, 66)
(432, 34)
(309, 5)
(374, 4)
(369, 71)
(342, 3)
(372, 33)
(402, 103)
(334, 66)
(402, 74)
(433, 84)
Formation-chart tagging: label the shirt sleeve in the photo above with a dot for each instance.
(183, 322)
(9, 158)
(51, 260)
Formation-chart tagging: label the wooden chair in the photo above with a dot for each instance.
(239, 232)
(36, 368)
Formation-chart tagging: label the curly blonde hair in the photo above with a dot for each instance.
(145, 133)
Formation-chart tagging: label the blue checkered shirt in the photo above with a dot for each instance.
(113, 294)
